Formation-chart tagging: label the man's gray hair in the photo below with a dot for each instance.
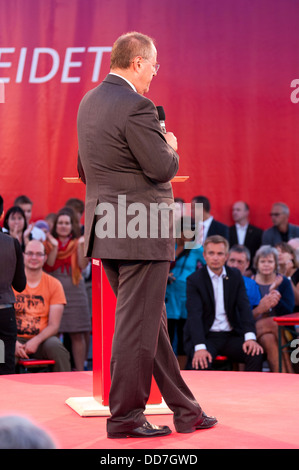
(241, 249)
(127, 47)
(284, 207)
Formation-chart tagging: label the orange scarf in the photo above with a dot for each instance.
(69, 251)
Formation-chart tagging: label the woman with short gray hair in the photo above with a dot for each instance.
(277, 293)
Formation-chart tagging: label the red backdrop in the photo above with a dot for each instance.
(228, 83)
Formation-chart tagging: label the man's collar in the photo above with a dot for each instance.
(120, 76)
(212, 274)
(243, 227)
(208, 220)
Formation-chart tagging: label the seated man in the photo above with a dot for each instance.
(39, 308)
(219, 319)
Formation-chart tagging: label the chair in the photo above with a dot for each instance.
(35, 365)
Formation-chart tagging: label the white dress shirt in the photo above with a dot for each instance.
(206, 225)
(117, 75)
(241, 233)
(221, 322)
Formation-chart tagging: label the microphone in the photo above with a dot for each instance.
(161, 114)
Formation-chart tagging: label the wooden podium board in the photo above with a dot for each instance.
(103, 315)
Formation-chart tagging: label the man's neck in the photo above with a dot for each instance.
(125, 74)
(206, 216)
(218, 271)
(283, 227)
(33, 276)
(242, 222)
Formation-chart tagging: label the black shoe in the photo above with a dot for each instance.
(146, 430)
(205, 422)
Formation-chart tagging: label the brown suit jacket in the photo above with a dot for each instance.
(123, 152)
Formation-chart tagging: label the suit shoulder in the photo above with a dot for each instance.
(255, 229)
(197, 275)
(218, 223)
(295, 228)
(194, 275)
(233, 273)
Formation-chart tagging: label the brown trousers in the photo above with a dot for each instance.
(141, 347)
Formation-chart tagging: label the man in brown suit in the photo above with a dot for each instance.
(127, 164)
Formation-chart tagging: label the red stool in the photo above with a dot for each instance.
(35, 365)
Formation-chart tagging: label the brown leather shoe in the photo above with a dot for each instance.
(146, 430)
(205, 422)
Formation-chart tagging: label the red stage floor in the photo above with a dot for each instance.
(255, 411)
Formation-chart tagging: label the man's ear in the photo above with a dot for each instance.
(137, 62)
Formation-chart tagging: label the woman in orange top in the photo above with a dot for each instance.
(66, 262)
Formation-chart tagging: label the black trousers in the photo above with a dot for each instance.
(230, 344)
(8, 335)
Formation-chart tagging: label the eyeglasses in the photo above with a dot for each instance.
(275, 214)
(31, 254)
(155, 66)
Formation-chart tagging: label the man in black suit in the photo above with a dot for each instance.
(208, 225)
(13, 275)
(219, 319)
(242, 232)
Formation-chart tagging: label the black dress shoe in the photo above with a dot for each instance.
(205, 422)
(146, 430)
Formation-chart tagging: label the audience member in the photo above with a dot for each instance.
(43, 225)
(242, 232)
(219, 318)
(67, 268)
(39, 308)
(15, 224)
(209, 226)
(186, 262)
(281, 301)
(11, 274)
(1, 209)
(288, 266)
(294, 242)
(179, 209)
(239, 257)
(32, 232)
(282, 230)
(78, 207)
(50, 219)
(17, 432)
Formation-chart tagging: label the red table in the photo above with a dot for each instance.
(103, 308)
(283, 322)
(103, 315)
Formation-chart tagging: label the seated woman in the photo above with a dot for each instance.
(277, 290)
(188, 257)
(15, 224)
(65, 262)
(288, 265)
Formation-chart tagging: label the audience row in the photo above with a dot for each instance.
(56, 302)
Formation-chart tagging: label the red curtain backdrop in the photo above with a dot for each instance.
(228, 82)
